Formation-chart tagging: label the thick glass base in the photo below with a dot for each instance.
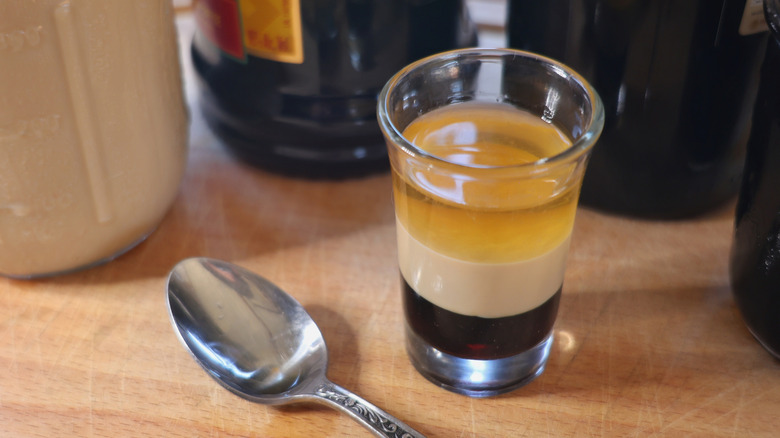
(477, 378)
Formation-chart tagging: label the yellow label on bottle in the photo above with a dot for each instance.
(272, 29)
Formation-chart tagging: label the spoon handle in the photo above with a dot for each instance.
(370, 416)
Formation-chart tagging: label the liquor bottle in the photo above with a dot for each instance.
(678, 79)
(291, 85)
(93, 130)
(755, 254)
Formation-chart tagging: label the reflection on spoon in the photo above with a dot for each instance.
(259, 343)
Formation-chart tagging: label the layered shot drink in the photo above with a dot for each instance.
(488, 149)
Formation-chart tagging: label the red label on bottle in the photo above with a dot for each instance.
(220, 22)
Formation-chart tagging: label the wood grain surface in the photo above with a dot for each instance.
(648, 340)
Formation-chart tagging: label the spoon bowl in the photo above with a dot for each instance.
(259, 342)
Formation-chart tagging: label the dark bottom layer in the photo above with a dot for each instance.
(474, 337)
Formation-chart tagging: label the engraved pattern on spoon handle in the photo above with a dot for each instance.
(375, 419)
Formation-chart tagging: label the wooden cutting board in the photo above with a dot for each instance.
(648, 341)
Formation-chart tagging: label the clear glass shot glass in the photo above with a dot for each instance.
(488, 148)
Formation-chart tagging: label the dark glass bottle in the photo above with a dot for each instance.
(314, 116)
(678, 79)
(755, 254)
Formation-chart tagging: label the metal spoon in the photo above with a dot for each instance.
(259, 343)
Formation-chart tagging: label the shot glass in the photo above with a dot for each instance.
(488, 148)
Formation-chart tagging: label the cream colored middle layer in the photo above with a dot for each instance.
(480, 289)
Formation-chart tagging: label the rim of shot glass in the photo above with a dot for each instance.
(579, 147)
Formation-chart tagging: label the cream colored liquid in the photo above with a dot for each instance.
(93, 129)
(484, 246)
